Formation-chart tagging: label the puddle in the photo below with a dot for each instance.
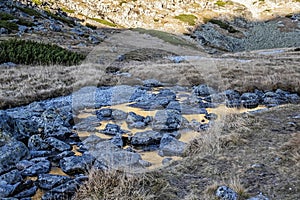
(186, 134)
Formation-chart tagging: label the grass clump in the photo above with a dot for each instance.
(9, 25)
(187, 18)
(167, 37)
(223, 25)
(66, 10)
(31, 52)
(104, 22)
(6, 16)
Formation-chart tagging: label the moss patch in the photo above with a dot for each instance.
(220, 3)
(104, 22)
(30, 52)
(187, 18)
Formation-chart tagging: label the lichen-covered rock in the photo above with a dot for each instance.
(226, 193)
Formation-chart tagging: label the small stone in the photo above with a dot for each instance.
(226, 193)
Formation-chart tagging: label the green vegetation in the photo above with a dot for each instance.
(6, 16)
(220, 3)
(105, 22)
(223, 25)
(167, 37)
(187, 18)
(31, 52)
(68, 10)
(37, 2)
(30, 11)
(8, 25)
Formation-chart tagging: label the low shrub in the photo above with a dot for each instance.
(31, 52)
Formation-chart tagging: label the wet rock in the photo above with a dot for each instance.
(58, 144)
(11, 177)
(117, 140)
(170, 146)
(168, 120)
(226, 193)
(112, 129)
(203, 90)
(35, 142)
(152, 83)
(146, 138)
(10, 154)
(77, 164)
(49, 181)
(249, 100)
(41, 167)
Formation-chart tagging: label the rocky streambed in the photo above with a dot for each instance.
(48, 146)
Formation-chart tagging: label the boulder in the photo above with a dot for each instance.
(226, 193)
(168, 120)
(63, 191)
(117, 140)
(6, 190)
(39, 167)
(57, 144)
(49, 181)
(146, 138)
(203, 90)
(77, 164)
(249, 100)
(10, 154)
(112, 129)
(11, 177)
(170, 146)
(104, 114)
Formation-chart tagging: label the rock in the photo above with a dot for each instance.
(170, 146)
(58, 144)
(77, 164)
(112, 129)
(166, 161)
(119, 115)
(236, 103)
(3, 31)
(231, 94)
(152, 83)
(104, 114)
(259, 197)
(40, 167)
(49, 181)
(88, 124)
(6, 189)
(168, 120)
(211, 116)
(225, 193)
(43, 153)
(94, 40)
(4, 138)
(10, 154)
(293, 98)
(145, 163)
(62, 155)
(203, 104)
(35, 142)
(92, 141)
(249, 100)
(203, 90)
(216, 98)
(114, 157)
(146, 138)
(23, 164)
(11, 177)
(27, 193)
(63, 191)
(8, 64)
(117, 140)
(55, 27)
(137, 121)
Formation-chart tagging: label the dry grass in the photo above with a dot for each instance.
(114, 185)
(292, 148)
